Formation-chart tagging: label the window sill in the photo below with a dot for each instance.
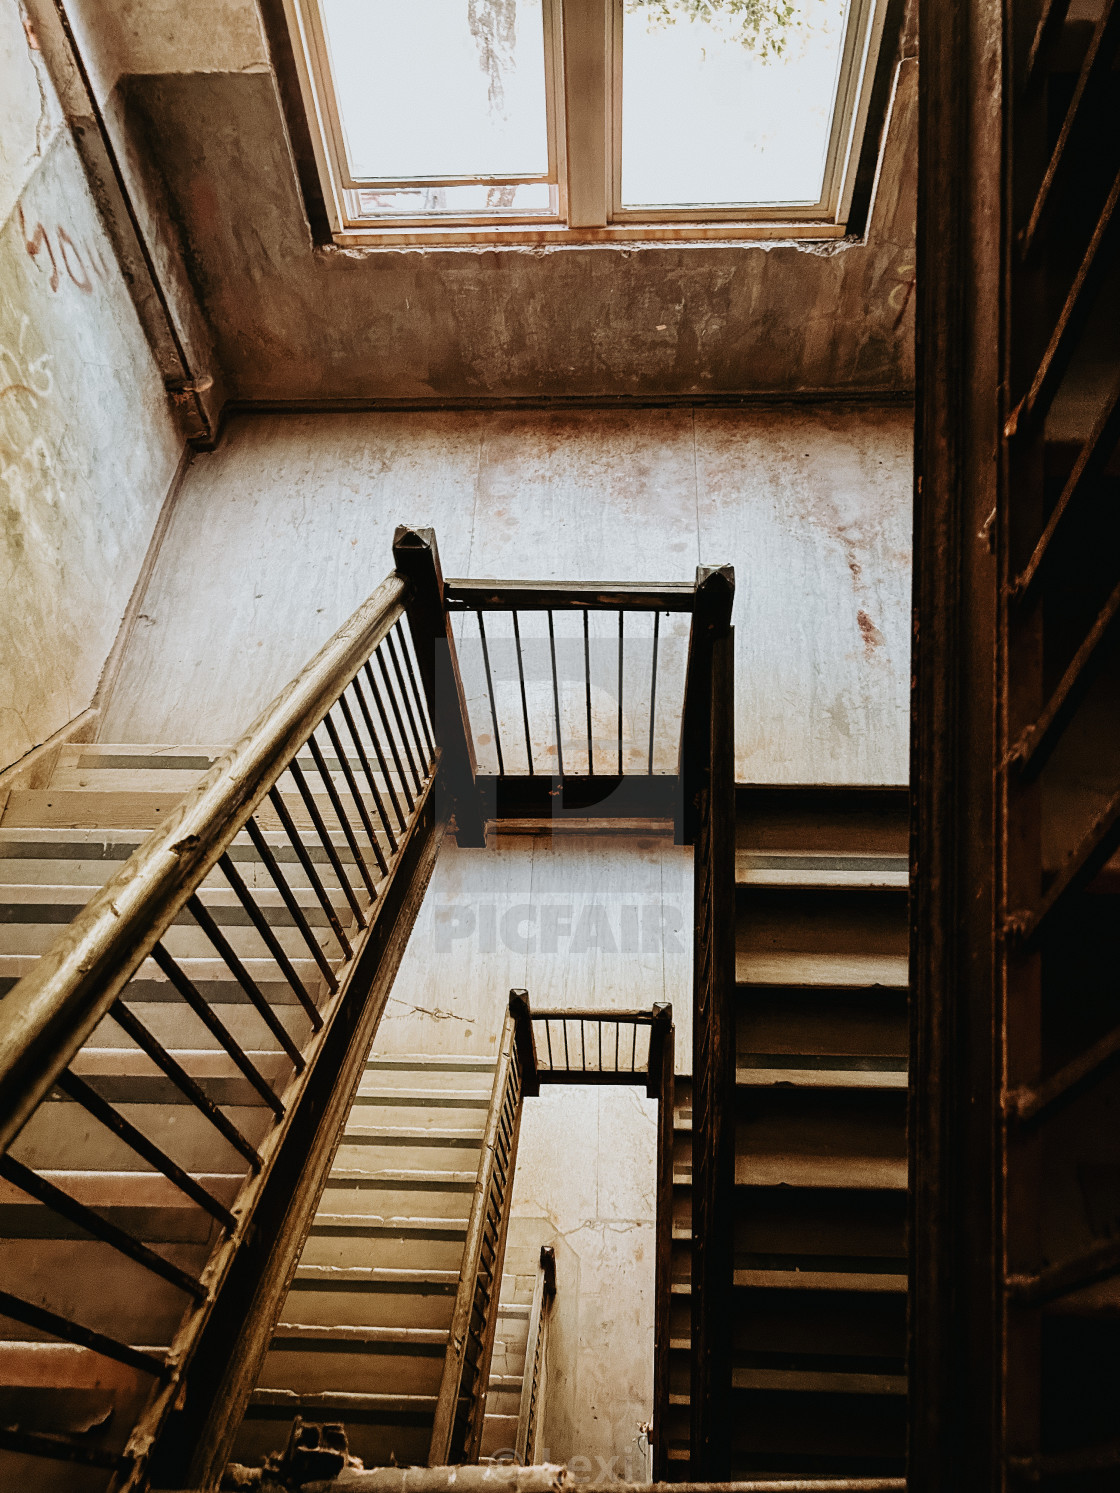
(524, 235)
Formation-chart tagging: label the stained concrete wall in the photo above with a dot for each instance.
(87, 445)
(197, 94)
(287, 527)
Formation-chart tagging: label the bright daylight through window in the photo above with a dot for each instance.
(540, 118)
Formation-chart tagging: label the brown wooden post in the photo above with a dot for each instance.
(711, 616)
(955, 1356)
(713, 1081)
(526, 1047)
(663, 1267)
(417, 560)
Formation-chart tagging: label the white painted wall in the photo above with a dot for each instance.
(87, 445)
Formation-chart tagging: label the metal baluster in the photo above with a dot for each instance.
(564, 1029)
(524, 697)
(548, 1042)
(620, 645)
(653, 688)
(291, 902)
(421, 703)
(583, 1045)
(587, 673)
(65, 1206)
(276, 799)
(133, 1027)
(634, 1049)
(555, 695)
(377, 700)
(227, 954)
(216, 1026)
(327, 779)
(325, 840)
(380, 657)
(391, 644)
(272, 942)
(359, 801)
(367, 769)
(402, 819)
(76, 1088)
(50, 1322)
(490, 688)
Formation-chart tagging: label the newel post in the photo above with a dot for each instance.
(417, 560)
(523, 1039)
(713, 600)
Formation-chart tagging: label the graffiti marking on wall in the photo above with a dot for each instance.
(77, 262)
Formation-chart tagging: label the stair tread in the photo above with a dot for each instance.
(818, 1381)
(798, 868)
(751, 1075)
(373, 1275)
(840, 971)
(314, 1332)
(876, 1173)
(340, 1400)
(821, 1280)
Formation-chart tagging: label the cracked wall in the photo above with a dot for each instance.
(87, 445)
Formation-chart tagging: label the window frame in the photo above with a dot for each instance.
(583, 100)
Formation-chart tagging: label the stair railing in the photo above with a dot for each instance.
(707, 769)
(617, 1047)
(317, 831)
(529, 1419)
(461, 1403)
(575, 691)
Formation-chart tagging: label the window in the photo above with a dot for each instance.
(544, 119)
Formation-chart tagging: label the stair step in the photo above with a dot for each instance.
(876, 1173)
(795, 868)
(376, 1278)
(816, 971)
(358, 1336)
(341, 1404)
(753, 1073)
(812, 1381)
(820, 1280)
(361, 1225)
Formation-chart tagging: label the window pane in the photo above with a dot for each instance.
(473, 201)
(437, 88)
(713, 116)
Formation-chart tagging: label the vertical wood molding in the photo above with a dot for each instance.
(955, 1061)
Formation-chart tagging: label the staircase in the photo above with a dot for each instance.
(363, 1333)
(507, 1367)
(58, 843)
(818, 1384)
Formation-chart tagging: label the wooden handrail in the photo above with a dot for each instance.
(527, 1443)
(47, 1017)
(461, 1404)
(543, 596)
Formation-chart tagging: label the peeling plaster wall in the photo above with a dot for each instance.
(195, 92)
(297, 322)
(87, 445)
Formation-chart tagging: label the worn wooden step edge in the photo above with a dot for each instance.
(350, 1335)
(813, 1381)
